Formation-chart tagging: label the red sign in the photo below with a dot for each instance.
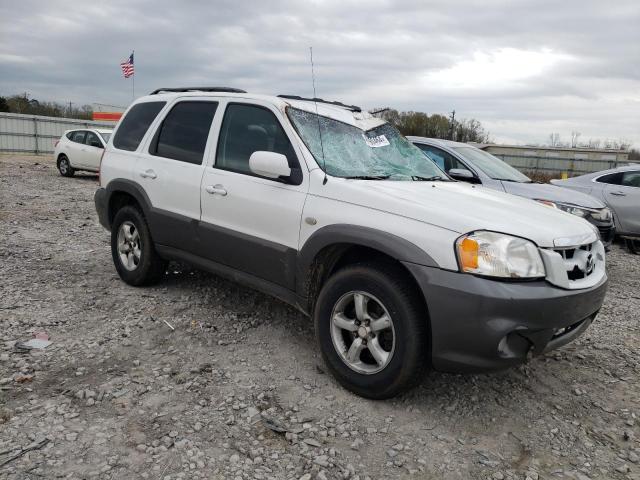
(108, 116)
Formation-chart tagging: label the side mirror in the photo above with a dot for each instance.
(269, 164)
(96, 144)
(461, 174)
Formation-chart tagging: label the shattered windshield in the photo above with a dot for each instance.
(350, 152)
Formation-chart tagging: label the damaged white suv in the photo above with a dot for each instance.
(332, 210)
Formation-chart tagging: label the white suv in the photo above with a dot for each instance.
(333, 211)
(80, 149)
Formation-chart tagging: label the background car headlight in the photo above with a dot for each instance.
(499, 255)
(572, 209)
(603, 214)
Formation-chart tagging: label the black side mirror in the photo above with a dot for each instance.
(96, 144)
(462, 174)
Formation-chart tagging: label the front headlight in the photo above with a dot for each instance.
(498, 255)
(579, 211)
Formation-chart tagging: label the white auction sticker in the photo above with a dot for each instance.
(375, 142)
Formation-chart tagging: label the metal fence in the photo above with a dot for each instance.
(37, 134)
(559, 165)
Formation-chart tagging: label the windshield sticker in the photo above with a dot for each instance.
(375, 142)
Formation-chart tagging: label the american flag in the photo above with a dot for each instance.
(127, 67)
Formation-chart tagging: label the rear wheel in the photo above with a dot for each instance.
(372, 330)
(132, 249)
(64, 167)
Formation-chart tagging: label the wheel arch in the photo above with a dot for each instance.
(332, 247)
(122, 192)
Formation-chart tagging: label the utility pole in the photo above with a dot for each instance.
(452, 124)
(70, 103)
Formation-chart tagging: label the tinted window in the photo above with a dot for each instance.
(93, 140)
(184, 132)
(490, 165)
(77, 136)
(612, 178)
(247, 129)
(444, 160)
(135, 124)
(631, 179)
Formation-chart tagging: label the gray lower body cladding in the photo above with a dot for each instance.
(479, 324)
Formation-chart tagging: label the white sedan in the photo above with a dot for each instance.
(80, 150)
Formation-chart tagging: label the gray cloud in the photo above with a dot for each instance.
(374, 53)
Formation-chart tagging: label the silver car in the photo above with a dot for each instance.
(619, 188)
(468, 163)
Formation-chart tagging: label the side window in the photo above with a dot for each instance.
(612, 178)
(93, 140)
(77, 136)
(444, 160)
(135, 124)
(631, 179)
(184, 132)
(247, 129)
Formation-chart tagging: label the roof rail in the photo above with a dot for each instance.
(353, 108)
(198, 89)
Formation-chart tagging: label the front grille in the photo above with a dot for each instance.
(579, 262)
(606, 233)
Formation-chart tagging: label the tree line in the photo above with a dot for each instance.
(435, 125)
(31, 106)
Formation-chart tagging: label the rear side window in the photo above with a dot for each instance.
(76, 136)
(631, 179)
(184, 132)
(135, 124)
(612, 178)
(247, 129)
(444, 160)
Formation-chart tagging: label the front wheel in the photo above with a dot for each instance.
(371, 327)
(132, 249)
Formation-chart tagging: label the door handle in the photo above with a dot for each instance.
(619, 194)
(216, 190)
(148, 174)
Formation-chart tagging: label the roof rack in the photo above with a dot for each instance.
(198, 89)
(353, 108)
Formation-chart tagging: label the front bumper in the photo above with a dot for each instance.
(479, 324)
(101, 200)
(606, 229)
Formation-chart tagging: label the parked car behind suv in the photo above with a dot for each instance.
(467, 163)
(619, 188)
(339, 215)
(80, 150)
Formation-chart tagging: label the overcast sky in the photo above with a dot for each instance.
(524, 69)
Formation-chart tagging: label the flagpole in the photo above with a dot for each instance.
(133, 78)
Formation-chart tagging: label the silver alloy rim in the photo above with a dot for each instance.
(129, 246)
(63, 166)
(362, 332)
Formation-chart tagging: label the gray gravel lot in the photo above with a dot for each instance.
(238, 390)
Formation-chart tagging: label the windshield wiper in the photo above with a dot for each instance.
(368, 177)
(512, 180)
(435, 178)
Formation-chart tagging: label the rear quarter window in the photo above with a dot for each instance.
(135, 124)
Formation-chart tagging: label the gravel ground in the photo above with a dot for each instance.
(236, 389)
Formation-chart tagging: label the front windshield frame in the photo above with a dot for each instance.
(423, 169)
(477, 156)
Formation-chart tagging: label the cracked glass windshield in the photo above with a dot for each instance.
(377, 154)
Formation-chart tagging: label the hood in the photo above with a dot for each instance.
(458, 207)
(544, 191)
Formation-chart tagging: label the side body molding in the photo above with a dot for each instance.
(346, 235)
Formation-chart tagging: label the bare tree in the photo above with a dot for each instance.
(574, 139)
(554, 139)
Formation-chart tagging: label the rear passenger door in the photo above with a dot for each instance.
(170, 169)
(92, 152)
(252, 223)
(74, 150)
(624, 198)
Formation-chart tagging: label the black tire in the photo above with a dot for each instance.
(390, 285)
(149, 268)
(64, 166)
(633, 244)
